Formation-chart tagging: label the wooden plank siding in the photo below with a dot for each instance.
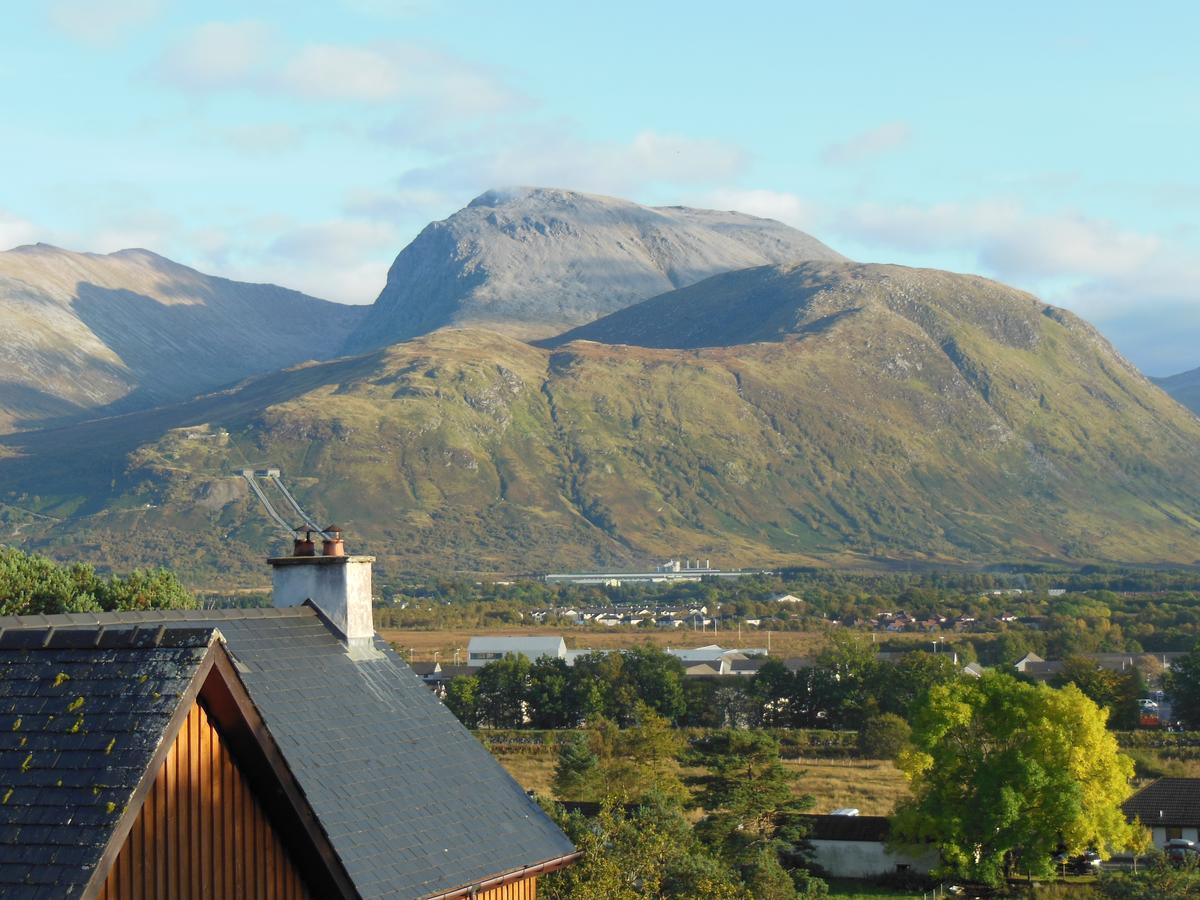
(518, 890)
(201, 833)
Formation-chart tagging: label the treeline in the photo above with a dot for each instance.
(31, 584)
(847, 687)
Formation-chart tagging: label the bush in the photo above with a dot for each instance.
(884, 736)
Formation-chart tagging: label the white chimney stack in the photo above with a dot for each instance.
(338, 585)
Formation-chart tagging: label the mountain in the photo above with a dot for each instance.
(532, 262)
(1184, 387)
(823, 413)
(93, 334)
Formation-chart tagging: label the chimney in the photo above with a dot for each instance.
(338, 585)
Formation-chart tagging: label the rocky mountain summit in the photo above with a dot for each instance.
(532, 262)
(88, 334)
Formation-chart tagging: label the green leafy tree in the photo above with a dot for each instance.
(1182, 686)
(462, 699)
(31, 584)
(753, 819)
(1000, 769)
(551, 694)
(1118, 692)
(627, 764)
(899, 687)
(501, 692)
(884, 736)
(634, 853)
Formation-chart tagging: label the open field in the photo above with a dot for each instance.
(423, 644)
(872, 786)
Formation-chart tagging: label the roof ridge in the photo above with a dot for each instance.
(137, 617)
(74, 637)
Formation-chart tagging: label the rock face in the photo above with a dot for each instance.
(823, 413)
(1184, 387)
(532, 262)
(86, 334)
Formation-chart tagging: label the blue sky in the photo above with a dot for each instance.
(306, 143)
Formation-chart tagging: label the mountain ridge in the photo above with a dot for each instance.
(933, 418)
(90, 334)
(534, 261)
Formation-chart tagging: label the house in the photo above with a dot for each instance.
(785, 598)
(848, 845)
(486, 649)
(1169, 807)
(281, 752)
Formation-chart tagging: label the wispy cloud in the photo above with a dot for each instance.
(219, 56)
(92, 22)
(1008, 240)
(1127, 282)
(250, 57)
(868, 144)
(789, 208)
(15, 231)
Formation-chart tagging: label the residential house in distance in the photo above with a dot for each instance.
(785, 598)
(284, 753)
(1169, 807)
(489, 648)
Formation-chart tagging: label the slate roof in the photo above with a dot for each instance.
(847, 828)
(81, 715)
(411, 802)
(1167, 801)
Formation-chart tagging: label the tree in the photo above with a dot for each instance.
(753, 819)
(1001, 769)
(1182, 686)
(633, 853)
(462, 699)
(31, 584)
(902, 685)
(884, 736)
(1159, 881)
(500, 696)
(656, 678)
(1116, 691)
(625, 764)
(552, 698)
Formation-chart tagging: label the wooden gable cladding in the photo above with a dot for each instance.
(201, 831)
(526, 889)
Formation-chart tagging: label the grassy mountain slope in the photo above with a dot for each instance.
(1184, 387)
(874, 413)
(85, 333)
(533, 261)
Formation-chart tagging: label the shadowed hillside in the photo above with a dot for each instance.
(87, 334)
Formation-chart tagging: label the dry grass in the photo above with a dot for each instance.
(534, 773)
(424, 644)
(870, 785)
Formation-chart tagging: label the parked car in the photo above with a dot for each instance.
(1082, 864)
(1180, 851)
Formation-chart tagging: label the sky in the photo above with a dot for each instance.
(1052, 146)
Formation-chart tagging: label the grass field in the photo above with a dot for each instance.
(872, 786)
(424, 644)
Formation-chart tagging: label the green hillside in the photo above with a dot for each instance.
(870, 414)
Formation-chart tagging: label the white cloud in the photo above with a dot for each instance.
(1006, 239)
(15, 231)
(100, 23)
(552, 156)
(868, 144)
(791, 209)
(267, 138)
(218, 55)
